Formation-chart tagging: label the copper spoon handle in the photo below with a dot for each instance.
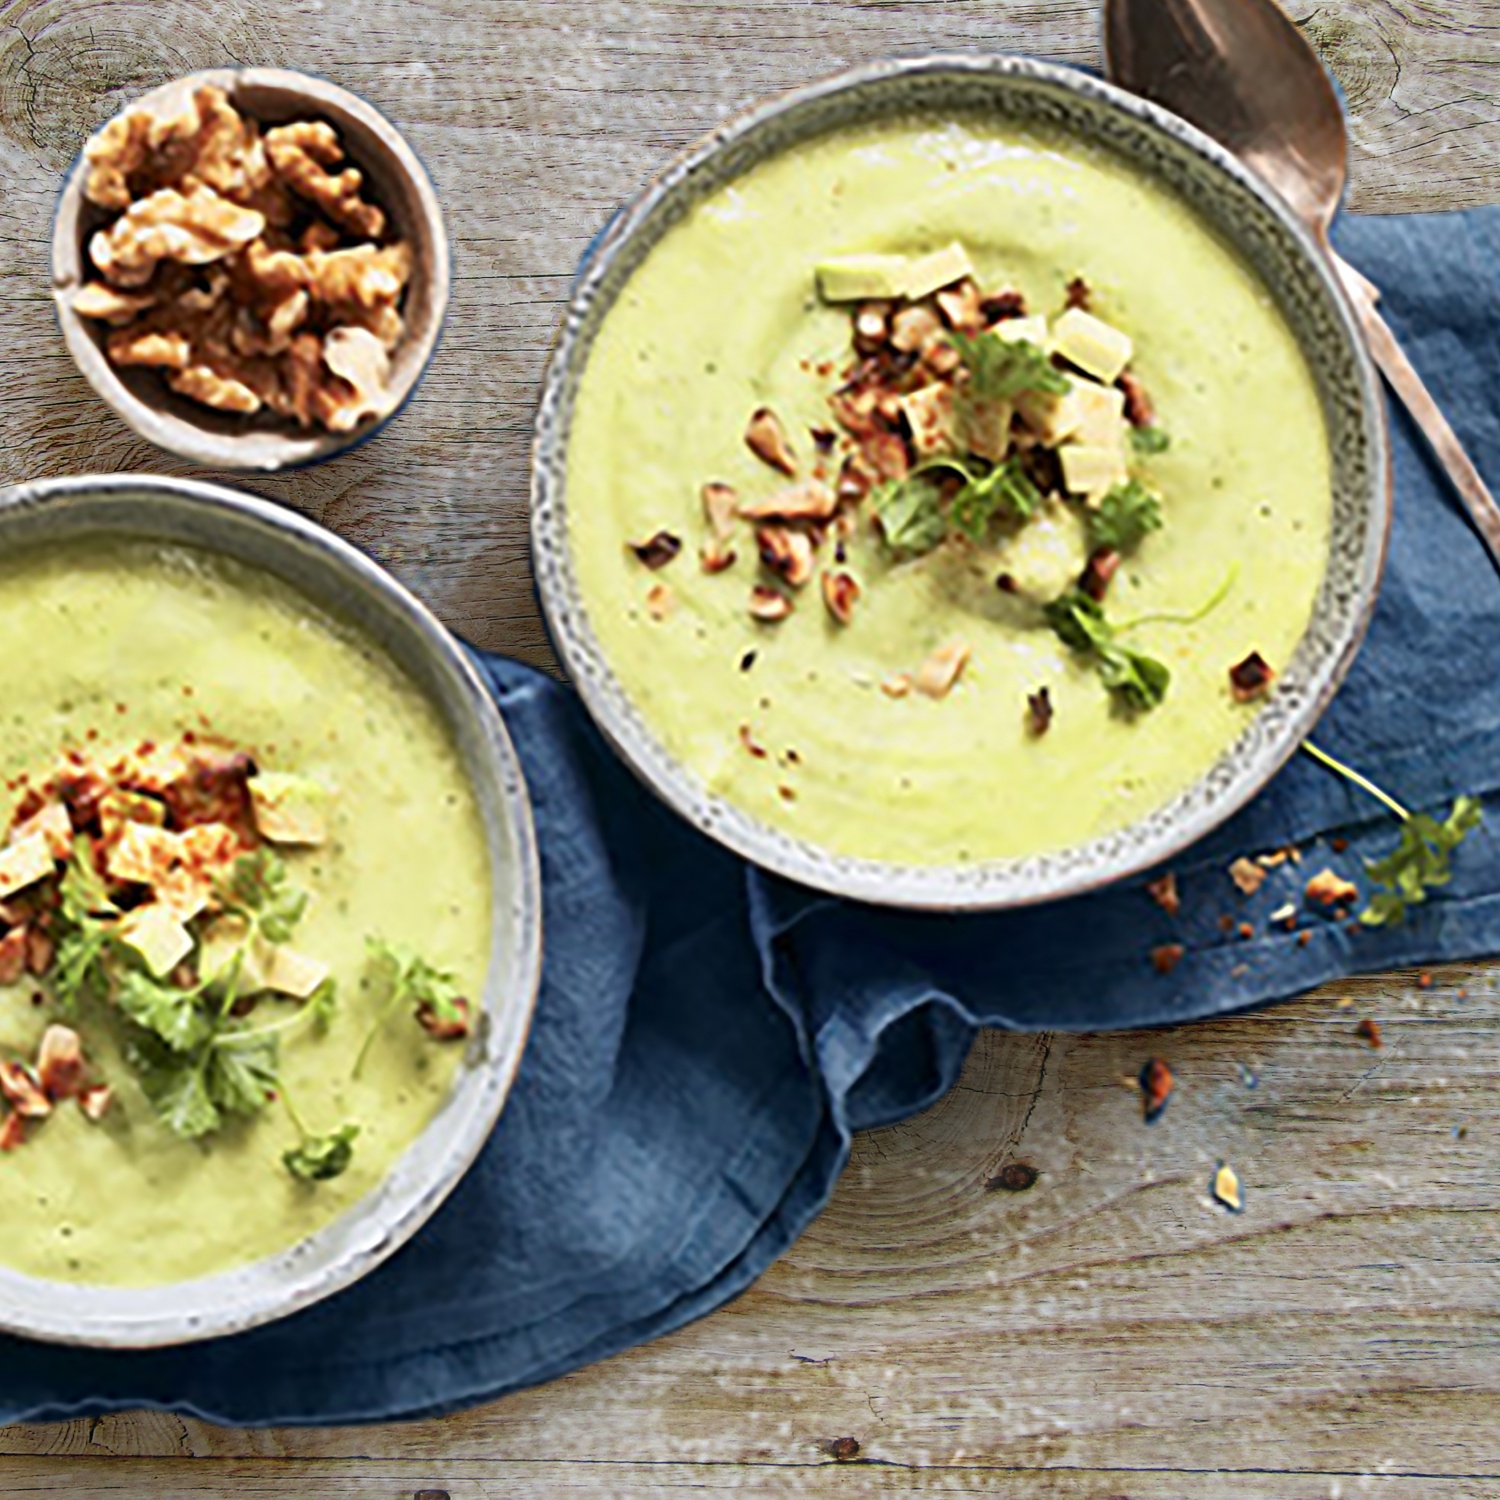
(1417, 399)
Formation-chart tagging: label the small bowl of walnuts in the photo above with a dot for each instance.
(250, 267)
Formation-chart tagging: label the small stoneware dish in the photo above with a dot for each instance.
(396, 180)
(350, 587)
(1221, 192)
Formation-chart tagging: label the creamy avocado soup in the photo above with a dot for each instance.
(245, 899)
(942, 492)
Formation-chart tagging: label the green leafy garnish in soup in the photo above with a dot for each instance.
(230, 817)
(900, 471)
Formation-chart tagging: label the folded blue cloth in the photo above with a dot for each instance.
(707, 1037)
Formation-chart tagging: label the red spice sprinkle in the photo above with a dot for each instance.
(786, 793)
(1226, 924)
(1156, 1087)
(1166, 957)
(187, 690)
(1304, 938)
(120, 708)
(1246, 930)
(1424, 980)
(92, 734)
(1338, 845)
(1370, 1031)
(1164, 893)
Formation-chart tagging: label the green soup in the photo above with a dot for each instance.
(132, 642)
(723, 317)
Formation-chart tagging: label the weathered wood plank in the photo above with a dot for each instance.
(1110, 1331)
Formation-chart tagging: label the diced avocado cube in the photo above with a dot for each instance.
(289, 809)
(1028, 330)
(853, 278)
(1102, 415)
(221, 941)
(1051, 417)
(1091, 471)
(24, 863)
(160, 939)
(931, 273)
(929, 414)
(295, 974)
(986, 428)
(1091, 344)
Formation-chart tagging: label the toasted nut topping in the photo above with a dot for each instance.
(24, 1092)
(1139, 411)
(659, 601)
(896, 687)
(936, 676)
(448, 1030)
(1250, 678)
(854, 482)
(95, 1102)
(12, 1132)
(912, 327)
(13, 955)
(1247, 875)
(59, 1062)
(1077, 294)
(886, 453)
(811, 500)
(1001, 306)
(1330, 889)
(767, 441)
(872, 326)
(960, 307)
(1369, 1029)
(1156, 1086)
(823, 438)
(1164, 893)
(657, 551)
(940, 356)
(1166, 958)
(769, 605)
(788, 554)
(841, 593)
(1226, 1188)
(715, 556)
(719, 504)
(1097, 574)
(748, 740)
(1039, 711)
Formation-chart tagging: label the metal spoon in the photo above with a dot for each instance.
(1242, 72)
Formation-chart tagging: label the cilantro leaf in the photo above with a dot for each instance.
(1420, 862)
(86, 916)
(1000, 369)
(179, 1095)
(417, 981)
(242, 1075)
(320, 1157)
(1006, 489)
(164, 1010)
(323, 1003)
(1124, 517)
(910, 512)
(259, 888)
(1149, 440)
(1139, 681)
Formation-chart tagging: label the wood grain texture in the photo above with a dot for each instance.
(1111, 1332)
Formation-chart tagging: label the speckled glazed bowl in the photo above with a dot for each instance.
(1223, 194)
(345, 583)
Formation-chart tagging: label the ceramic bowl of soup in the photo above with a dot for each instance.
(241, 732)
(957, 484)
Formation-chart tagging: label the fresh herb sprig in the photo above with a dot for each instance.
(1002, 369)
(1124, 518)
(86, 920)
(1148, 441)
(1138, 681)
(912, 514)
(1422, 860)
(410, 980)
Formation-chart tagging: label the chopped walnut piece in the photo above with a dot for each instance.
(659, 601)
(912, 327)
(98, 299)
(1077, 294)
(449, 1029)
(12, 1132)
(59, 1062)
(769, 605)
(872, 326)
(960, 307)
(1156, 1084)
(811, 500)
(1329, 888)
(886, 454)
(13, 955)
(1369, 1029)
(301, 153)
(936, 676)
(1250, 678)
(786, 553)
(193, 229)
(1247, 875)
(841, 593)
(163, 351)
(95, 1102)
(1099, 571)
(896, 687)
(204, 384)
(1039, 711)
(24, 1093)
(657, 551)
(715, 557)
(766, 439)
(1164, 893)
(358, 358)
(1002, 305)
(854, 481)
(114, 154)
(719, 505)
(1139, 411)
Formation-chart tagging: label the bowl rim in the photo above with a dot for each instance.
(936, 888)
(84, 1314)
(164, 427)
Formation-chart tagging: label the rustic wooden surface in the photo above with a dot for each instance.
(1108, 1333)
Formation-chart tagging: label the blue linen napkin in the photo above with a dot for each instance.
(708, 1037)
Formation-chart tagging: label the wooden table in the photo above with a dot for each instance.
(1108, 1333)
